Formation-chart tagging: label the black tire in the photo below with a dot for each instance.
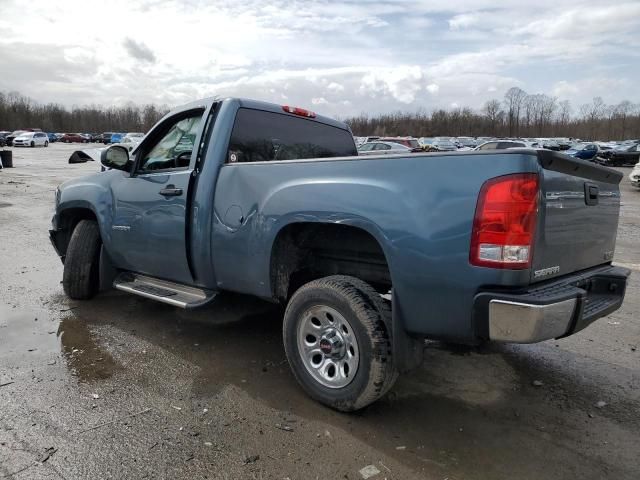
(81, 276)
(370, 318)
(46, 144)
(33, 144)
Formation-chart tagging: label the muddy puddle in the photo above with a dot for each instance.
(85, 358)
(31, 338)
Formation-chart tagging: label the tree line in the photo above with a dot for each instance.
(518, 114)
(18, 111)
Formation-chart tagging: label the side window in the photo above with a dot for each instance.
(489, 146)
(366, 147)
(382, 146)
(260, 136)
(173, 149)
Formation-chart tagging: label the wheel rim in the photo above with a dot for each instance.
(328, 346)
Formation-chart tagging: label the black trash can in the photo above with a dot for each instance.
(6, 156)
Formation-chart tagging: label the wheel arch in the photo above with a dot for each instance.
(288, 255)
(288, 259)
(67, 219)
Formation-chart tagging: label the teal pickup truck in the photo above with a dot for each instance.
(369, 255)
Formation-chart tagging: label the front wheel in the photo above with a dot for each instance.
(33, 144)
(81, 276)
(336, 337)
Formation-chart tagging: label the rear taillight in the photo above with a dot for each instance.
(505, 222)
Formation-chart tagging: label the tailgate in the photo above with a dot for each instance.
(578, 218)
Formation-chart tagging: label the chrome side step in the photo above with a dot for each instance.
(164, 291)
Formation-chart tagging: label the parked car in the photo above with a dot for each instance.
(133, 136)
(585, 151)
(425, 143)
(31, 139)
(564, 143)
(442, 145)
(106, 137)
(74, 138)
(383, 148)
(466, 142)
(3, 138)
(410, 142)
(621, 156)
(116, 138)
(9, 138)
(52, 137)
(500, 145)
(634, 176)
(370, 255)
(362, 140)
(549, 144)
(131, 140)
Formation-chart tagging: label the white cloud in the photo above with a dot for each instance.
(464, 20)
(402, 83)
(351, 57)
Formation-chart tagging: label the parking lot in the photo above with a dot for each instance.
(122, 387)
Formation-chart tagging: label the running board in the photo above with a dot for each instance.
(164, 291)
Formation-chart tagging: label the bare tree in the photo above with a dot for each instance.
(492, 110)
(513, 100)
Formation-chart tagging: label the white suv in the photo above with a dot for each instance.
(31, 139)
(634, 176)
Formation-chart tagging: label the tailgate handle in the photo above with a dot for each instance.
(590, 193)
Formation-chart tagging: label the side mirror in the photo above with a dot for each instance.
(116, 157)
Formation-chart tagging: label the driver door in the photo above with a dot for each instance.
(151, 207)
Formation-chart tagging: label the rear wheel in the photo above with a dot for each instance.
(336, 337)
(46, 144)
(81, 276)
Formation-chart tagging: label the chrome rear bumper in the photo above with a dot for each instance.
(552, 309)
(525, 323)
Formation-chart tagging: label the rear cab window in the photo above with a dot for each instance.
(261, 136)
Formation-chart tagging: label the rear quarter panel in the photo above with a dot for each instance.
(420, 208)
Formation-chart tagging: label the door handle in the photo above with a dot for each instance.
(171, 191)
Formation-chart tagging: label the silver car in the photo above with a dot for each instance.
(31, 139)
(382, 148)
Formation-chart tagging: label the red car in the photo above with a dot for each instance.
(73, 138)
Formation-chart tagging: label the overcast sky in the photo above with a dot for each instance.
(336, 57)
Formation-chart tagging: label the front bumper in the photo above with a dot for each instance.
(553, 309)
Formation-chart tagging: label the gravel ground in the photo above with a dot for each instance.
(122, 387)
